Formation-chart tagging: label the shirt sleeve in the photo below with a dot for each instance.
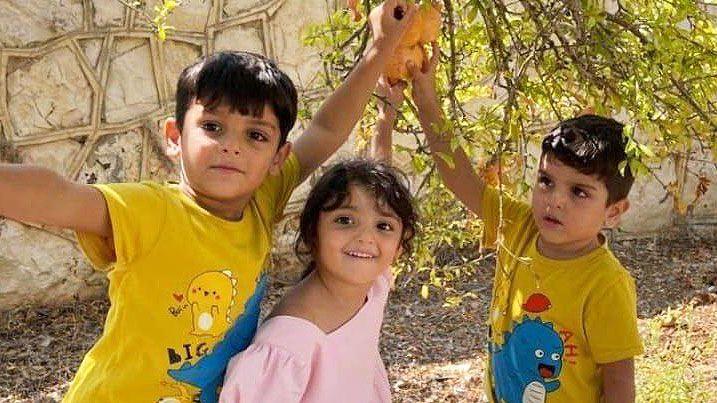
(137, 212)
(513, 212)
(265, 373)
(274, 193)
(611, 322)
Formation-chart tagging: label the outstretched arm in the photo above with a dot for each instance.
(41, 196)
(337, 116)
(459, 175)
(390, 100)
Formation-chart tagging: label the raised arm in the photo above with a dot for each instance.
(390, 100)
(459, 176)
(41, 196)
(333, 123)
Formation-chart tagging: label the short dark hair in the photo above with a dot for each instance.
(245, 81)
(593, 145)
(387, 184)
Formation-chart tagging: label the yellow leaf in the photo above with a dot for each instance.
(424, 291)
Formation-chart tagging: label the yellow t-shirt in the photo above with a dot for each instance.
(184, 291)
(552, 322)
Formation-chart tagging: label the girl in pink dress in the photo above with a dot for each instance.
(320, 344)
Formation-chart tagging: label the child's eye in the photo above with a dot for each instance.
(258, 136)
(211, 127)
(580, 193)
(343, 220)
(544, 181)
(384, 226)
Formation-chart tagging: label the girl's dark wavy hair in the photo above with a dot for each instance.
(387, 184)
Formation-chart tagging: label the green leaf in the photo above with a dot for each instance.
(447, 159)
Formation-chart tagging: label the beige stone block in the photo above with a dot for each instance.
(177, 56)
(115, 158)
(48, 93)
(27, 22)
(131, 89)
(288, 26)
(191, 15)
(56, 155)
(107, 13)
(248, 37)
(40, 267)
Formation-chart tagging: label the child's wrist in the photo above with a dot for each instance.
(426, 103)
(386, 110)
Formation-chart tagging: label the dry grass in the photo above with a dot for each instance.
(435, 353)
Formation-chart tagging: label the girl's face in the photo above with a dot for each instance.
(359, 240)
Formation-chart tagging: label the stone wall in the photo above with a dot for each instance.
(85, 86)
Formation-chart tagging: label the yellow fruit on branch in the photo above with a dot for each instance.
(397, 67)
(424, 29)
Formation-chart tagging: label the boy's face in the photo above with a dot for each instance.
(226, 155)
(570, 208)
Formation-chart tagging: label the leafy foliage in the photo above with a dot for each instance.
(510, 70)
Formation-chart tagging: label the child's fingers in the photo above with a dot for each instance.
(413, 70)
(436, 53)
(400, 86)
(426, 61)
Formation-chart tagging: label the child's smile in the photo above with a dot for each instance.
(358, 240)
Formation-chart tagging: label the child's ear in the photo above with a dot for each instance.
(281, 155)
(172, 139)
(615, 212)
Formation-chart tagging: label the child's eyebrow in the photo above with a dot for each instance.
(579, 184)
(262, 122)
(585, 185)
(383, 213)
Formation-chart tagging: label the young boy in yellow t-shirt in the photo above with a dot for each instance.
(184, 260)
(563, 321)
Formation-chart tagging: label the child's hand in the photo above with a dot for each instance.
(423, 89)
(390, 96)
(390, 20)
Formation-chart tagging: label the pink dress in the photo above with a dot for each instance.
(292, 360)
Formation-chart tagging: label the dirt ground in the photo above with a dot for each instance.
(433, 353)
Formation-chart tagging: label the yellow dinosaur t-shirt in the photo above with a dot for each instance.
(184, 290)
(552, 322)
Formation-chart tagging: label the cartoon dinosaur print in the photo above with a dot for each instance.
(527, 365)
(207, 373)
(211, 296)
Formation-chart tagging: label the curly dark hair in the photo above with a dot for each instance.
(386, 183)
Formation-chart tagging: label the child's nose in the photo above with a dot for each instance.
(558, 200)
(365, 235)
(228, 150)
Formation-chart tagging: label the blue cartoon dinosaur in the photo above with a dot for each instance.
(207, 373)
(527, 365)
